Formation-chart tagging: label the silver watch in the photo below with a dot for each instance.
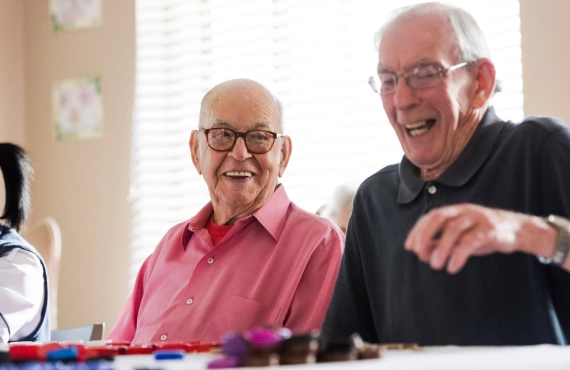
(562, 247)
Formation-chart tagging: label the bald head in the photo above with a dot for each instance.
(242, 88)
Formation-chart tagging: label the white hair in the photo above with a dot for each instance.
(470, 40)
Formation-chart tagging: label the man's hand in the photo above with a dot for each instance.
(448, 236)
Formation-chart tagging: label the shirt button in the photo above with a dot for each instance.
(189, 301)
(163, 337)
(432, 189)
(210, 260)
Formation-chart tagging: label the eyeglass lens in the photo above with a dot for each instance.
(257, 141)
(420, 77)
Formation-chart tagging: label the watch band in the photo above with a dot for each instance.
(562, 247)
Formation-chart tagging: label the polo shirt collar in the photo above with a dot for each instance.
(465, 166)
(271, 216)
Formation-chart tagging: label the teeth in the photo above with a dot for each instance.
(416, 125)
(418, 132)
(417, 129)
(239, 174)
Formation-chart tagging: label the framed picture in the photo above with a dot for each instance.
(77, 109)
(74, 14)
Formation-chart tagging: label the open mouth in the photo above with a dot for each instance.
(238, 174)
(420, 128)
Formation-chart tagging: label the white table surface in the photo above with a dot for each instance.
(544, 357)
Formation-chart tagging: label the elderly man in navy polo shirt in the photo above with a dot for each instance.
(466, 240)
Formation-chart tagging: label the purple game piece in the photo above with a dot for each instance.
(266, 338)
(234, 345)
(224, 362)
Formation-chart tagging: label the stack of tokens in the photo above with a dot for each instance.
(300, 349)
(257, 347)
(271, 347)
(340, 349)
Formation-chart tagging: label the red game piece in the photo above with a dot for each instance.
(24, 352)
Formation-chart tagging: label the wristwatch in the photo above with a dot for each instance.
(562, 247)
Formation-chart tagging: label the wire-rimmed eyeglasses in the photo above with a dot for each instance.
(224, 139)
(419, 77)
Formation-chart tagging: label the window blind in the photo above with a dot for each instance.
(315, 55)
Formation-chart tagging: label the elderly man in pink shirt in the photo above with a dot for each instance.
(250, 257)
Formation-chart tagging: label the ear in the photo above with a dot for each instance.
(286, 149)
(195, 149)
(485, 82)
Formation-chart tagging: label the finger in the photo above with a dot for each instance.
(427, 229)
(417, 243)
(469, 245)
(425, 237)
(453, 232)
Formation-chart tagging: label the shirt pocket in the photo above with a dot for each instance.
(239, 314)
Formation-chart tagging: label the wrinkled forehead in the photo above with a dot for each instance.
(243, 106)
(409, 40)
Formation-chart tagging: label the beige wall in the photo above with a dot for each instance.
(84, 184)
(12, 93)
(545, 41)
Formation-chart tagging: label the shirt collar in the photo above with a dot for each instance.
(272, 216)
(462, 170)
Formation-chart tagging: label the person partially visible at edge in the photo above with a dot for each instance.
(250, 257)
(339, 207)
(24, 298)
(465, 241)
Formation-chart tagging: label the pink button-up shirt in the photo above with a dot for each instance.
(275, 267)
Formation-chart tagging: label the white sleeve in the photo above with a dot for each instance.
(21, 294)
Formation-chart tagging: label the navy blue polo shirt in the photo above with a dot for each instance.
(388, 295)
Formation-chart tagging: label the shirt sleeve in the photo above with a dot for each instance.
(313, 294)
(126, 325)
(21, 293)
(555, 164)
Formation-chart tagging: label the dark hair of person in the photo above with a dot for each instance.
(17, 173)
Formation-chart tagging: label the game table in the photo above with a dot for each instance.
(547, 357)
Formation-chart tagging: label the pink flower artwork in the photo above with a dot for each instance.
(77, 109)
(74, 14)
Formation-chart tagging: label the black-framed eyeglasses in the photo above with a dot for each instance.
(419, 77)
(224, 139)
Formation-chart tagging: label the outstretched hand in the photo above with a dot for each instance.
(448, 236)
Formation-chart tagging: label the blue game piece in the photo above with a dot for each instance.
(170, 354)
(63, 354)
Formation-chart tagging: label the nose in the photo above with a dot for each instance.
(239, 152)
(405, 98)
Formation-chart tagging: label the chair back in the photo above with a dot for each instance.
(45, 236)
(84, 333)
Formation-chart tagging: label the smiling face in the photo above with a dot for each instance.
(433, 124)
(239, 182)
